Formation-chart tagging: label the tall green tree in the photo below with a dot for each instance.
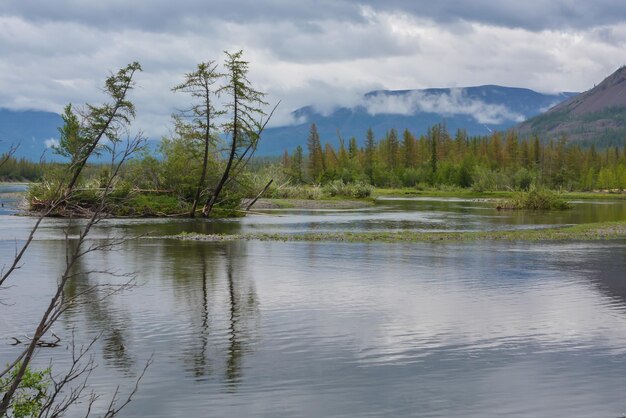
(370, 150)
(434, 140)
(408, 149)
(244, 105)
(316, 155)
(201, 117)
(72, 144)
(297, 165)
(104, 121)
(393, 149)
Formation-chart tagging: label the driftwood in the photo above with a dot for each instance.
(267, 186)
(40, 343)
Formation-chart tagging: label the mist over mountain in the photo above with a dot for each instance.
(479, 110)
(596, 116)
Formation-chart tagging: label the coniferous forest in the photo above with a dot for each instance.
(501, 161)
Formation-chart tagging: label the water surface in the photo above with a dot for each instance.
(343, 329)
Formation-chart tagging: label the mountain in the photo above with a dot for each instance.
(479, 110)
(596, 116)
(32, 130)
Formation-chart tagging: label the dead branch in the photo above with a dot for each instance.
(7, 156)
(267, 186)
(113, 410)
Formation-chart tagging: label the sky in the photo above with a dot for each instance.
(325, 53)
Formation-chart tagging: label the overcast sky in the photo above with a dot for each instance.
(321, 52)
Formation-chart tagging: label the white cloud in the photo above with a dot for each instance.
(456, 102)
(51, 142)
(302, 56)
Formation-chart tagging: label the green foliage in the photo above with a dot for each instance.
(31, 393)
(13, 169)
(484, 180)
(536, 199)
(357, 189)
(72, 143)
(49, 188)
(151, 205)
(523, 179)
(288, 191)
(316, 157)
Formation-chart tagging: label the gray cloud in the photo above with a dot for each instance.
(323, 53)
(165, 15)
(530, 14)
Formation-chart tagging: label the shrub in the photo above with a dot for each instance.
(357, 189)
(31, 393)
(535, 199)
(151, 205)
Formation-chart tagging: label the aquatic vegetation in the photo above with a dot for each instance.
(535, 199)
(591, 231)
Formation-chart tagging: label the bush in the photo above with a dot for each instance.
(357, 189)
(524, 179)
(151, 205)
(536, 199)
(31, 393)
(287, 191)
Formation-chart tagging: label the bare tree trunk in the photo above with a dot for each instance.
(208, 207)
(205, 161)
(55, 308)
(267, 186)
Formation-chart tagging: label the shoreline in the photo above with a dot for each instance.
(337, 203)
(581, 232)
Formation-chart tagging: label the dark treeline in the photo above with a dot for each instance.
(13, 169)
(499, 161)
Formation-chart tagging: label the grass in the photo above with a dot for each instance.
(462, 193)
(150, 205)
(470, 194)
(591, 231)
(536, 199)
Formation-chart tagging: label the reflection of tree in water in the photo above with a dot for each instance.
(609, 273)
(221, 301)
(98, 310)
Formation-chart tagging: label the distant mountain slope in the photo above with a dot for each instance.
(478, 110)
(30, 129)
(595, 116)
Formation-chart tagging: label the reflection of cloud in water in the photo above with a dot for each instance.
(397, 308)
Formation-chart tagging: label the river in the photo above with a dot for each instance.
(250, 328)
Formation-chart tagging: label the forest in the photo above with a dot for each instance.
(207, 165)
(166, 181)
(501, 161)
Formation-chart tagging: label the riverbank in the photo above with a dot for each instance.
(143, 205)
(470, 194)
(581, 232)
(268, 204)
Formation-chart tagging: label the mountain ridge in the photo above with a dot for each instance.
(597, 115)
(477, 109)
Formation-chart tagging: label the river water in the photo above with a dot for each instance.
(481, 329)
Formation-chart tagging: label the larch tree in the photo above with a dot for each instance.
(393, 149)
(99, 122)
(316, 155)
(245, 125)
(202, 115)
(370, 149)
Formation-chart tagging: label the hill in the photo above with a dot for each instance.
(479, 110)
(32, 130)
(596, 116)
